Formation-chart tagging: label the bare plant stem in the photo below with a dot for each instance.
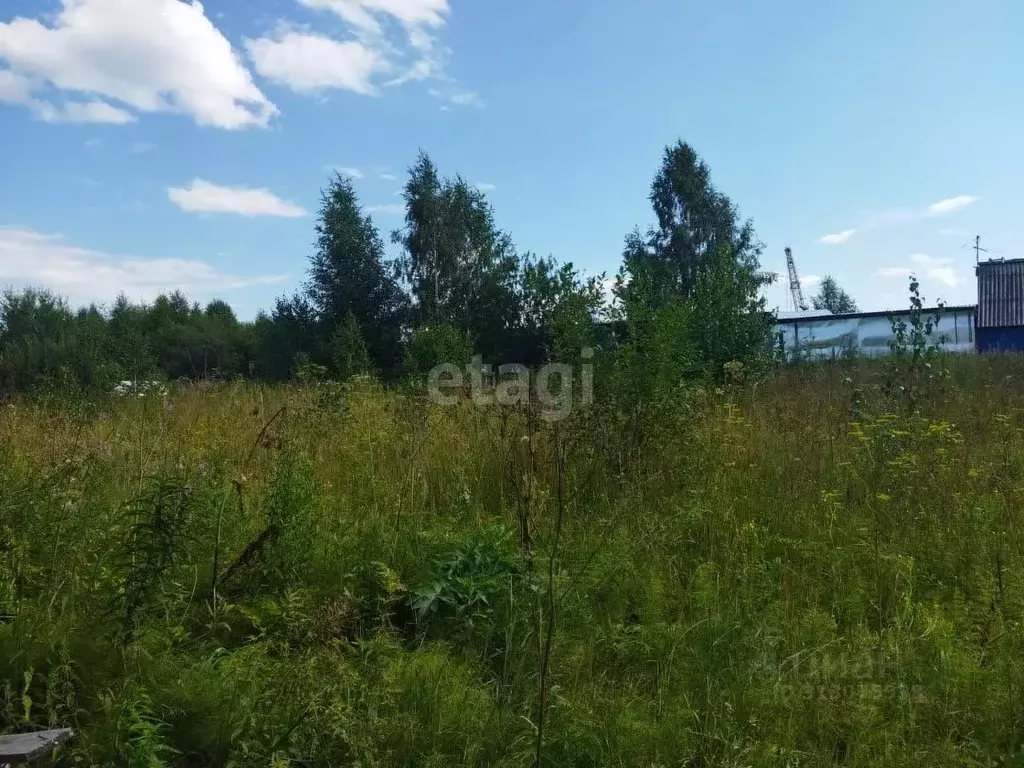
(550, 636)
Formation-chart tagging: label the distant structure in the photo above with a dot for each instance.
(795, 290)
(823, 336)
(1000, 305)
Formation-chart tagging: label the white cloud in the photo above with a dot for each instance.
(954, 232)
(149, 55)
(402, 36)
(142, 147)
(944, 275)
(936, 269)
(415, 15)
(388, 209)
(456, 97)
(353, 173)
(465, 98)
(902, 215)
(926, 267)
(15, 88)
(951, 204)
(484, 186)
(809, 280)
(205, 197)
(309, 62)
(838, 238)
(389, 177)
(894, 272)
(83, 112)
(31, 258)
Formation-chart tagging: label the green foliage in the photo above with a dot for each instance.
(290, 331)
(751, 575)
(832, 297)
(916, 351)
(695, 223)
(348, 352)
(732, 323)
(458, 277)
(461, 269)
(436, 344)
(157, 522)
(702, 255)
(471, 583)
(43, 345)
(139, 733)
(352, 286)
(559, 310)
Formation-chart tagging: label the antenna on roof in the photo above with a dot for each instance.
(978, 250)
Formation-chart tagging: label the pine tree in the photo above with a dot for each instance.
(350, 278)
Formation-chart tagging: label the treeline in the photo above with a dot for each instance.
(686, 299)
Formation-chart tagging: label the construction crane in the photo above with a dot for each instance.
(794, 282)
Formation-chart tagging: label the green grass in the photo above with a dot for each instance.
(790, 572)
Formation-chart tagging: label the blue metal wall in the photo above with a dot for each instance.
(1000, 339)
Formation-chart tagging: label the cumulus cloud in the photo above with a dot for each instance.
(389, 43)
(145, 55)
(18, 89)
(807, 281)
(389, 177)
(82, 275)
(82, 112)
(15, 88)
(206, 197)
(352, 173)
(309, 62)
(926, 267)
(951, 204)
(838, 238)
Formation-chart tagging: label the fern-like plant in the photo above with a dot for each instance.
(156, 531)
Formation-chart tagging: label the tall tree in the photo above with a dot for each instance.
(291, 331)
(559, 309)
(695, 220)
(833, 298)
(461, 269)
(702, 253)
(350, 279)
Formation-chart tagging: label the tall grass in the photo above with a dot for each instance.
(796, 571)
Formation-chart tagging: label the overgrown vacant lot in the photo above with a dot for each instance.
(795, 571)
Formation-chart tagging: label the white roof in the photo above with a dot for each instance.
(803, 314)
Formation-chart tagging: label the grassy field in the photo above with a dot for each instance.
(788, 572)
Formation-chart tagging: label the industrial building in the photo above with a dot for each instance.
(995, 324)
(821, 335)
(1001, 306)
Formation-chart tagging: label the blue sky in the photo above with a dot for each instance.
(147, 145)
